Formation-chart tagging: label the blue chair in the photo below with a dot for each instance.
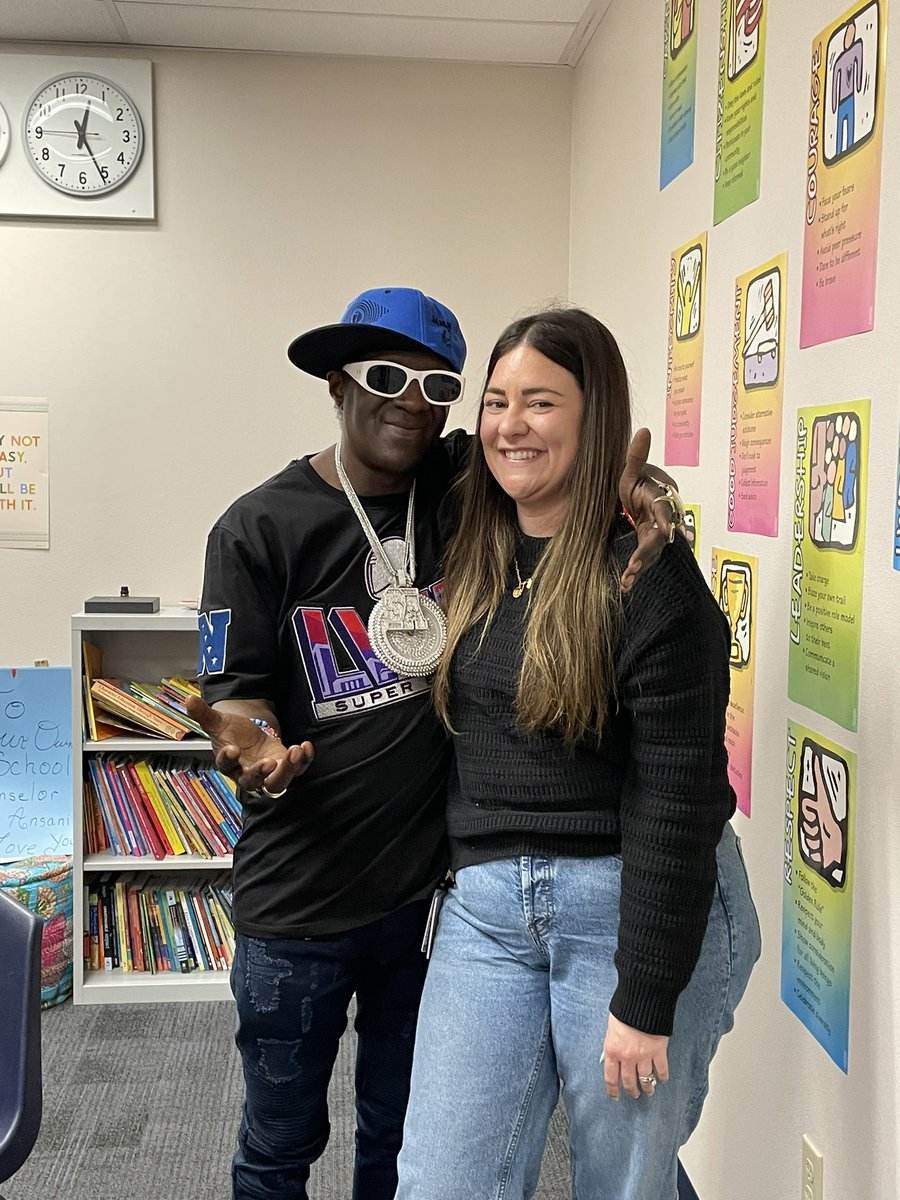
(21, 1095)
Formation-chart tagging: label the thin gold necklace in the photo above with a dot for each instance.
(523, 585)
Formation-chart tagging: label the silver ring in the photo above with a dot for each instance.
(650, 1079)
(272, 795)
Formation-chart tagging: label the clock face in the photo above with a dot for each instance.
(4, 133)
(82, 134)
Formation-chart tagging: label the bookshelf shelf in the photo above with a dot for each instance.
(143, 646)
(113, 987)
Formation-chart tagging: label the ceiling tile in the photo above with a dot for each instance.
(152, 24)
(57, 21)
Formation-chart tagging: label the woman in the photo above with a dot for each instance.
(600, 930)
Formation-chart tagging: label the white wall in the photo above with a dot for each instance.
(285, 185)
(771, 1081)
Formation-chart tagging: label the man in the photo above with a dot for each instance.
(332, 880)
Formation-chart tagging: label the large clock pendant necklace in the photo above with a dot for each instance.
(407, 630)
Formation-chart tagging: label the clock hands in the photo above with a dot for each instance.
(82, 128)
(87, 147)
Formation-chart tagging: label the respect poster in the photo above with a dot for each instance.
(843, 175)
(829, 527)
(24, 474)
(757, 389)
(684, 366)
(817, 901)
(679, 90)
(734, 586)
(739, 106)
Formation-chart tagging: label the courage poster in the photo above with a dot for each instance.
(843, 175)
(828, 534)
(817, 888)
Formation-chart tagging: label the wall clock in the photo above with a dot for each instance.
(81, 137)
(83, 134)
(4, 133)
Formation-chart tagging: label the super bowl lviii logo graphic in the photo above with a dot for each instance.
(834, 480)
(735, 601)
(824, 811)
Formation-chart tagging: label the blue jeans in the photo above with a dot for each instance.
(292, 997)
(515, 1007)
(846, 123)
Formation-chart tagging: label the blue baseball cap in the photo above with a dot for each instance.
(378, 321)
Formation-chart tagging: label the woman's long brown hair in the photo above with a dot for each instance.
(566, 680)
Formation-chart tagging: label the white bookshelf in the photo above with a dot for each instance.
(142, 646)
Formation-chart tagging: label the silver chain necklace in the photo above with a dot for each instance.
(407, 630)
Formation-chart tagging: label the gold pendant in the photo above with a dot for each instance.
(521, 587)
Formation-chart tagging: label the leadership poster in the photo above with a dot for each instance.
(828, 535)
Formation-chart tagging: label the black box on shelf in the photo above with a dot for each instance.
(122, 604)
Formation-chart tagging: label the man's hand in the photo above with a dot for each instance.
(246, 753)
(655, 517)
(633, 1060)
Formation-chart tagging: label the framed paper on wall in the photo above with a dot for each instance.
(80, 137)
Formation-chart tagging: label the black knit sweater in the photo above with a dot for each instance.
(653, 788)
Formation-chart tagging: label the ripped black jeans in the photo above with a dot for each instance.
(292, 998)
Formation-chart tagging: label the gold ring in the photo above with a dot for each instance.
(272, 795)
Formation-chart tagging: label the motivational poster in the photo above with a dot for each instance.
(757, 389)
(734, 586)
(679, 89)
(684, 365)
(817, 892)
(24, 474)
(828, 536)
(739, 105)
(35, 761)
(843, 175)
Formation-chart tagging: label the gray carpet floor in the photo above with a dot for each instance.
(141, 1103)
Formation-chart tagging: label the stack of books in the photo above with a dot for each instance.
(117, 707)
(158, 923)
(162, 808)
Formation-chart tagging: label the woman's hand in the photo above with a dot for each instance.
(246, 753)
(633, 1060)
(646, 493)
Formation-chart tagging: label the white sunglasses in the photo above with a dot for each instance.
(392, 379)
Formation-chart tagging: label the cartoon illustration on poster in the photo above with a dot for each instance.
(684, 373)
(757, 388)
(827, 565)
(819, 813)
(739, 107)
(692, 527)
(843, 175)
(734, 586)
(676, 151)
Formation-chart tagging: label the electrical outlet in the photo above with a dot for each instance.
(813, 1171)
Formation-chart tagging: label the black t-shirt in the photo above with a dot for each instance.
(289, 583)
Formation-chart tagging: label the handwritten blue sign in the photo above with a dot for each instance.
(35, 761)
